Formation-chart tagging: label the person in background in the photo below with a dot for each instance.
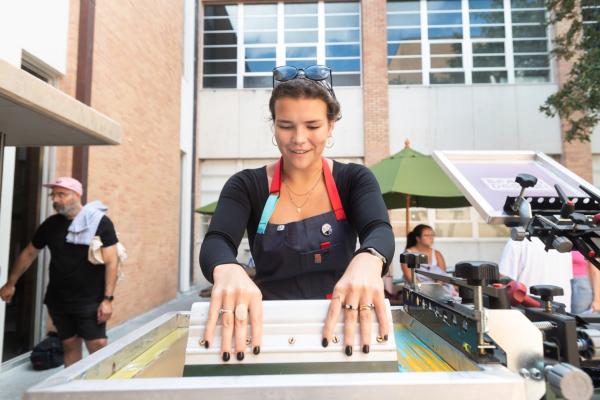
(80, 294)
(528, 262)
(585, 285)
(420, 240)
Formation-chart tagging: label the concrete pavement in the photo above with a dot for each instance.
(17, 380)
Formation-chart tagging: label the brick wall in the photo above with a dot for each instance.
(375, 81)
(577, 156)
(136, 81)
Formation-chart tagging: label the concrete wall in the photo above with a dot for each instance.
(486, 117)
(236, 124)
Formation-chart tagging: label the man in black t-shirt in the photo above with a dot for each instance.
(79, 293)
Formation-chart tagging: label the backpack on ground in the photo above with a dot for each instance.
(48, 353)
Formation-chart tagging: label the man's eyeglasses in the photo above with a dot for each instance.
(317, 73)
(60, 195)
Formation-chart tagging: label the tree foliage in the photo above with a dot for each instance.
(578, 100)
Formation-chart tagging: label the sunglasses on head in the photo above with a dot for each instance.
(317, 73)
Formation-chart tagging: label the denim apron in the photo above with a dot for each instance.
(302, 259)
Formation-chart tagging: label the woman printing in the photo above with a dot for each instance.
(302, 215)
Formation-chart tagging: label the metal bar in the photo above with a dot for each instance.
(478, 306)
(194, 160)
(83, 91)
(2, 144)
(407, 198)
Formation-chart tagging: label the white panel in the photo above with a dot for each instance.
(536, 131)
(493, 136)
(6, 196)
(43, 30)
(254, 124)
(596, 169)
(452, 118)
(236, 124)
(503, 117)
(186, 144)
(596, 140)
(410, 117)
(10, 50)
(348, 132)
(217, 125)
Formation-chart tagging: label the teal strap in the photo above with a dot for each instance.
(267, 212)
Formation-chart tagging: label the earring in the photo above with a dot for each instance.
(273, 141)
(329, 144)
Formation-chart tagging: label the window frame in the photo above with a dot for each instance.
(281, 46)
(467, 42)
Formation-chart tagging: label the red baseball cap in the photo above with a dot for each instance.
(66, 182)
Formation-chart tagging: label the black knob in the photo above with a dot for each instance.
(413, 260)
(477, 273)
(526, 180)
(579, 218)
(546, 292)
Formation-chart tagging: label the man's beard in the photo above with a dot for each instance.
(63, 209)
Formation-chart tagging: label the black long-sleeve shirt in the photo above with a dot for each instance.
(243, 198)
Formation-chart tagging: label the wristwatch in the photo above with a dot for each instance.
(376, 254)
(109, 298)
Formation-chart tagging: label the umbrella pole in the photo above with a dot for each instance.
(407, 224)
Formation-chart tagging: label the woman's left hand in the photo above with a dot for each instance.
(357, 290)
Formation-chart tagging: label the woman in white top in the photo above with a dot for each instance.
(420, 240)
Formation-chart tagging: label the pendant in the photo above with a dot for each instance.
(299, 210)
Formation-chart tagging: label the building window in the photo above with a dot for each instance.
(220, 46)
(530, 41)
(432, 42)
(244, 42)
(590, 10)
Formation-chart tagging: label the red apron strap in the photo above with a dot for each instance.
(332, 191)
(276, 182)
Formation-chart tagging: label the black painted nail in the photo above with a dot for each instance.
(385, 337)
(256, 350)
(240, 355)
(325, 342)
(348, 351)
(366, 349)
(226, 356)
(206, 345)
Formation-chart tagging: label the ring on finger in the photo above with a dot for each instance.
(350, 307)
(224, 311)
(366, 307)
(241, 312)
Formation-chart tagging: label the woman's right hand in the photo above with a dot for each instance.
(234, 293)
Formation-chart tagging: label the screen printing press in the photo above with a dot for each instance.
(491, 342)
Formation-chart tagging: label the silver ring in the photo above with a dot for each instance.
(241, 312)
(350, 307)
(224, 311)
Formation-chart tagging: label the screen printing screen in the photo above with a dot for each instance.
(488, 178)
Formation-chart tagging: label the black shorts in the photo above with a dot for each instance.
(82, 324)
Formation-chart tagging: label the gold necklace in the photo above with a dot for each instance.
(307, 194)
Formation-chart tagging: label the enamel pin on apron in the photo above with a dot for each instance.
(326, 229)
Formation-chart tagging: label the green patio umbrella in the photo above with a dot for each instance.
(208, 209)
(412, 179)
